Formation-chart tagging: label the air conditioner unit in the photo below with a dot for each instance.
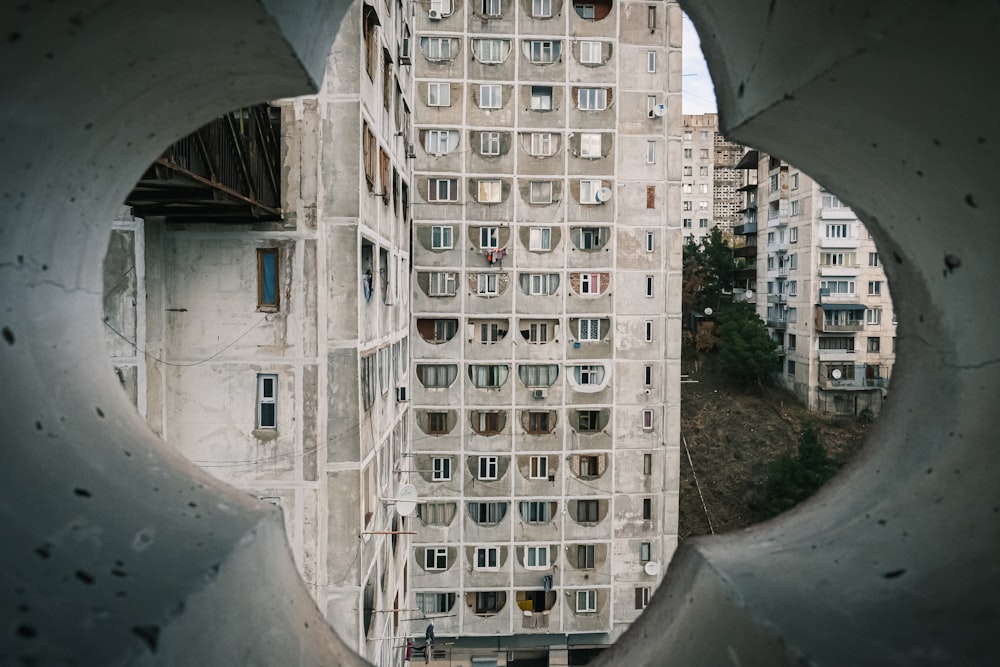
(401, 394)
(434, 14)
(538, 393)
(404, 52)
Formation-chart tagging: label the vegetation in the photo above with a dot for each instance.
(708, 270)
(746, 351)
(792, 479)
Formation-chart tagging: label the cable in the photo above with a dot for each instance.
(195, 363)
(697, 485)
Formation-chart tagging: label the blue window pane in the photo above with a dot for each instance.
(269, 279)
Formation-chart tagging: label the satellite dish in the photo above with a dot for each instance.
(652, 568)
(603, 194)
(659, 110)
(406, 500)
(748, 294)
(709, 311)
(836, 373)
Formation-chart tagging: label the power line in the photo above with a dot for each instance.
(133, 343)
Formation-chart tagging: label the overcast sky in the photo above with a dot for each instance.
(698, 94)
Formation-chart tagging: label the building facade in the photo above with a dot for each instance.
(819, 287)
(546, 330)
(709, 177)
(273, 335)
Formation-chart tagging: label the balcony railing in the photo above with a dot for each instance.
(535, 619)
(745, 228)
(777, 298)
(777, 324)
(843, 327)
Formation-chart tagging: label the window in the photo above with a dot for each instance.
(489, 237)
(586, 602)
(442, 469)
(688, 135)
(590, 283)
(703, 188)
(267, 400)
(873, 259)
(585, 556)
(491, 51)
(438, 94)
(791, 367)
(650, 105)
(592, 99)
(644, 552)
(440, 142)
(486, 423)
(539, 284)
(489, 143)
(267, 280)
(541, 144)
(587, 511)
(538, 375)
(588, 191)
(703, 205)
(487, 602)
(536, 557)
(488, 466)
(843, 343)
(589, 467)
(437, 423)
(795, 207)
(875, 287)
(874, 344)
(795, 181)
(540, 239)
(541, 8)
(651, 20)
(649, 241)
(540, 192)
(539, 465)
(791, 341)
(687, 170)
(441, 284)
(436, 558)
(438, 48)
(703, 153)
(648, 375)
(830, 201)
(649, 331)
(442, 190)
(487, 284)
(435, 603)
(793, 287)
(687, 206)
(489, 191)
(703, 222)
(436, 514)
(793, 235)
(837, 286)
(650, 61)
(590, 329)
(590, 145)
(647, 464)
(491, 8)
(649, 285)
(543, 51)
(584, 11)
(836, 231)
(873, 316)
(541, 98)
(687, 153)
(590, 53)
(642, 597)
(490, 96)
(588, 421)
(488, 376)
(487, 512)
(536, 511)
(592, 374)
(538, 423)
(489, 333)
(650, 152)
(687, 221)
(647, 420)
(487, 558)
(647, 509)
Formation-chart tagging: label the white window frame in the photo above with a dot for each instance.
(492, 8)
(541, 8)
(489, 238)
(541, 98)
(647, 420)
(489, 190)
(651, 152)
(645, 552)
(873, 259)
(651, 62)
(487, 284)
(442, 283)
(588, 191)
(487, 558)
(875, 287)
(438, 94)
(436, 559)
(438, 142)
(267, 398)
(437, 186)
(540, 239)
(590, 145)
(541, 144)
(538, 467)
(488, 466)
(537, 553)
(592, 99)
(490, 96)
(540, 192)
(590, 283)
(589, 328)
(441, 468)
(793, 235)
(438, 48)
(591, 53)
(490, 51)
(542, 51)
(590, 375)
(586, 602)
(538, 284)
(873, 316)
(489, 143)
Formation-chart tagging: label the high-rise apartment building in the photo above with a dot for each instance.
(545, 317)
(257, 302)
(819, 287)
(709, 177)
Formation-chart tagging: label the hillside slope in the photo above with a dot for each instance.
(732, 436)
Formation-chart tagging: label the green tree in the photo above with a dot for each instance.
(746, 351)
(708, 270)
(792, 479)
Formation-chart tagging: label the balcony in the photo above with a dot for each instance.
(780, 325)
(849, 270)
(745, 228)
(782, 272)
(533, 620)
(838, 355)
(838, 243)
(745, 251)
(777, 298)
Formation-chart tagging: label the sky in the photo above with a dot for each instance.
(697, 93)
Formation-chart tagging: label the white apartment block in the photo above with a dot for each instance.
(819, 287)
(709, 178)
(546, 330)
(273, 335)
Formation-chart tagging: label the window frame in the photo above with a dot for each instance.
(540, 239)
(541, 144)
(438, 185)
(538, 553)
(437, 423)
(489, 190)
(437, 87)
(592, 99)
(445, 237)
(538, 464)
(587, 48)
(483, 557)
(489, 143)
(435, 559)
(586, 601)
(263, 399)
(537, 192)
(589, 329)
(588, 142)
(541, 97)
(441, 468)
(541, 9)
(268, 292)
(490, 96)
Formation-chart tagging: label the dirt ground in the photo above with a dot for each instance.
(731, 437)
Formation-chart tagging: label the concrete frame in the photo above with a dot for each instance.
(894, 563)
